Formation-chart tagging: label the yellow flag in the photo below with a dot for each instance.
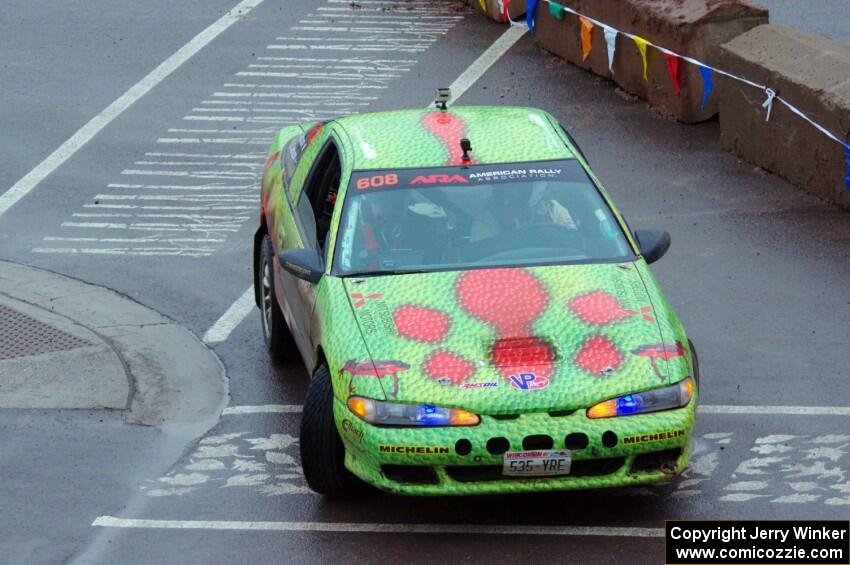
(586, 38)
(483, 5)
(641, 45)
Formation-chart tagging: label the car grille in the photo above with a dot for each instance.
(410, 474)
(654, 460)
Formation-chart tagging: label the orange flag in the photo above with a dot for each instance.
(586, 37)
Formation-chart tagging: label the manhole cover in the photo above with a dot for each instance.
(22, 336)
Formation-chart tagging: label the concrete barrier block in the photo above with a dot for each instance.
(493, 8)
(695, 28)
(812, 73)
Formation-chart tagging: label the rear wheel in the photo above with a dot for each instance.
(322, 451)
(276, 334)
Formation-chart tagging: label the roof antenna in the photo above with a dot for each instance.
(466, 146)
(443, 95)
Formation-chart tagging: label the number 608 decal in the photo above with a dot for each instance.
(377, 181)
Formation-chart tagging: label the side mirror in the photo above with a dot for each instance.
(653, 244)
(306, 264)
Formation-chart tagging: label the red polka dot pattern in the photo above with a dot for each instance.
(599, 356)
(449, 128)
(421, 324)
(599, 308)
(448, 368)
(508, 299)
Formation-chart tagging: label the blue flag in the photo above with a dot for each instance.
(530, 6)
(847, 151)
(708, 84)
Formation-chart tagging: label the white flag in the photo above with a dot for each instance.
(611, 40)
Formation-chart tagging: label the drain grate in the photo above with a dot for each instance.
(22, 336)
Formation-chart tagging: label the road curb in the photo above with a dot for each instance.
(173, 380)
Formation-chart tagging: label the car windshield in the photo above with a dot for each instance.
(454, 218)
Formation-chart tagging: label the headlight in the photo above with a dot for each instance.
(674, 396)
(394, 414)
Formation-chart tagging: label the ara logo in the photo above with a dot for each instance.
(529, 381)
(441, 179)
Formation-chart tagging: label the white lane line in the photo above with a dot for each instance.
(480, 66)
(721, 409)
(191, 130)
(263, 409)
(357, 527)
(237, 312)
(777, 410)
(134, 239)
(111, 112)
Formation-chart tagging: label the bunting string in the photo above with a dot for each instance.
(673, 62)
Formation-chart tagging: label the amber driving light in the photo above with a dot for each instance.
(666, 398)
(396, 414)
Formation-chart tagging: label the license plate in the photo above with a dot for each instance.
(536, 463)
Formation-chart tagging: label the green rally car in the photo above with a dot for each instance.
(476, 315)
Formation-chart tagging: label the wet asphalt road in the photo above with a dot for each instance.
(757, 274)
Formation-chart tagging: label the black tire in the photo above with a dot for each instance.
(276, 333)
(322, 451)
(695, 359)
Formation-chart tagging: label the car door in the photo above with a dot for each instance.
(307, 193)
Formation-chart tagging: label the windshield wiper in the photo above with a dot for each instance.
(382, 273)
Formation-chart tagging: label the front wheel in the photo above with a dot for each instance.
(276, 334)
(322, 451)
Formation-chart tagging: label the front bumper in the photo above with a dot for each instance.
(612, 452)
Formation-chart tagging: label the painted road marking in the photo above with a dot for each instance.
(356, 527)
(276, 92)
(780, 468)
(480, 66)
(105, 117)
(717, 409)
(230, 319)
(264, 409)
(776, 410)
(265, 465)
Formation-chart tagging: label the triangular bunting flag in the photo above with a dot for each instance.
(557, 10)
(586, 37)
(504, 4)
(483, 4)
(611, 41)
(641, 45)
(674, 64)
(708, 84)
(530, 7)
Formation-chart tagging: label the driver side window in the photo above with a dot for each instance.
(317, 200)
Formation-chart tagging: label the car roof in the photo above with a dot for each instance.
(431, 138)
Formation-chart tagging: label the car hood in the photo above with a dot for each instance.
(511, 340)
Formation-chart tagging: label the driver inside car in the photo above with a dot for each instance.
(511, 209)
